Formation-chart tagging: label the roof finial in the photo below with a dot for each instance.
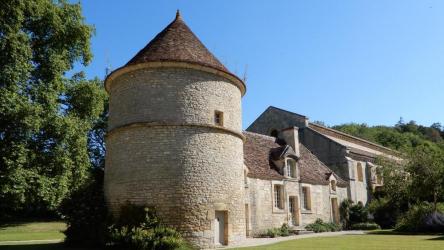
(178, 14)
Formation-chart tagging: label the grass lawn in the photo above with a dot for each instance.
(361, 242)
(32, 231)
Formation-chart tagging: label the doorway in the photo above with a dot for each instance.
(335, 210)
(220, 228)
(294, 210)
(247, 221)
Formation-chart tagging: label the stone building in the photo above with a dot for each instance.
(175, 143)
(352, 158)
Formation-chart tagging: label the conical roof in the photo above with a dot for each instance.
(177, 43)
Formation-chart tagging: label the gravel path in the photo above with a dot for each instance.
(251, 242)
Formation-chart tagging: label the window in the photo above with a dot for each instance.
(245, 178)
(306, 198)
(360, 172)
(333, 185)
(291, 168)
(274, 133)
(278, 197)
(219, 118)
(378, 179)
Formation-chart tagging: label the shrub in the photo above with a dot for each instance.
(272, 233)
(284, 230)
(352, 213)
(365, 226)
(421, 218)
(385, 213)
(358, 213)
(85, 213)
(320, 226)
(139, 228)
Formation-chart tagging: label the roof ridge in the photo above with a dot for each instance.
(351, 136)
(284, 110)
(271, 138)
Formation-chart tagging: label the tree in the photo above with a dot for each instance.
(44, 116)
(426, 169)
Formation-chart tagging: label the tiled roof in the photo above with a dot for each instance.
(313, 171)
(257, 151)
(177, 43)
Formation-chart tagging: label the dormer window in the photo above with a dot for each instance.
(291, 168)
(219, 118)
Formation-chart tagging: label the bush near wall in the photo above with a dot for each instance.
(352, 214)
(385, 212)
(139, 228)
(320, 226)
(284, 230)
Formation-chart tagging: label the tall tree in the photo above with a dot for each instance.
(44, 116)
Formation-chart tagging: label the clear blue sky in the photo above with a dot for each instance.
(364, 61)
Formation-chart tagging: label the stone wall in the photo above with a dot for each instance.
(321, 203)
(164, 150)
(263, 215)
(173, 95)
(329, 152)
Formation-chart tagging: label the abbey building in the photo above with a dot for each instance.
(175, 142)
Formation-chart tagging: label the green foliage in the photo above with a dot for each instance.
(365, 226)
(139, 228)
(403, 137)
(284, 230)
(85, 213)
(352, 213)
(44, 116)
(344, 211)
(320, 226)
(385, 212)
(421, 218)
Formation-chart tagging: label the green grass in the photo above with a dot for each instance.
(32, 231)
(361, 242)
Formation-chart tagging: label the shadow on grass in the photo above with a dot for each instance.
(47, 246)
(437, 238)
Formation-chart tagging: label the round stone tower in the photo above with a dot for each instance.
(174, 138)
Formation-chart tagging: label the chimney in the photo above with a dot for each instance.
(291, 137)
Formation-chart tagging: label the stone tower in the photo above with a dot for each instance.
(174, 138)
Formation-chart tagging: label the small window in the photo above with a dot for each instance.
(278, 197)
(219, 118)
(379, 179)
(274, 133)
(291, 168)
(333, 185)
(360, 172)
(306, 198)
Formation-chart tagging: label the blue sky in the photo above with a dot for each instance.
(364, 61)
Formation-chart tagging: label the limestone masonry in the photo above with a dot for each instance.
(175, 143)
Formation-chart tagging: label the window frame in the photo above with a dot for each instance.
(360, 172)
(278, 196)
(218, 118)
(306, 198)
(291, 169)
